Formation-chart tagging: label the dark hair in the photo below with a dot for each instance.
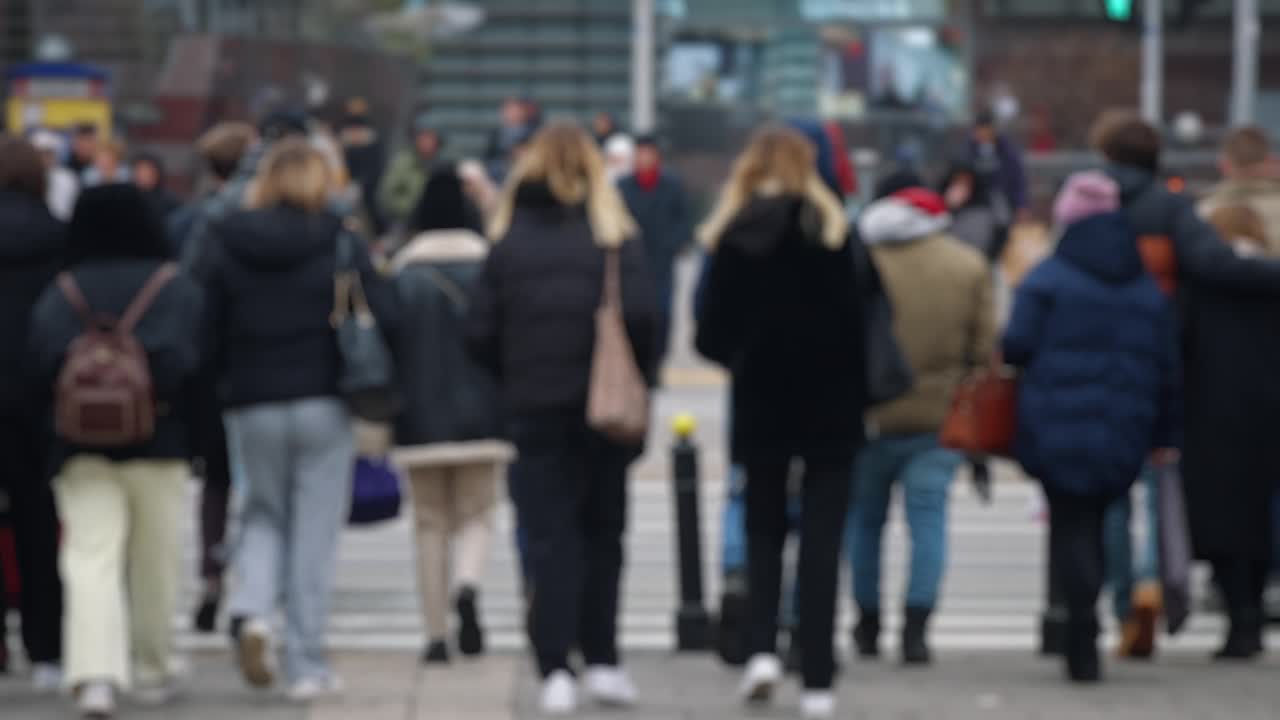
(648, 140)
(21, 169)
(985, 119)
(114, 221)
(895, 181)
(282, 124)
(223, 146)
(979, 196)
(444, 205)
(1247, 147)
(1124, 138)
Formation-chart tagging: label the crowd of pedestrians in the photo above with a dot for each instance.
(526, 299)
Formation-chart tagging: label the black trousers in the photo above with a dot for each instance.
(214, 497)
(824, 504)
(26, 479)
(570, 490)
(1076, 553)
(1243, 581)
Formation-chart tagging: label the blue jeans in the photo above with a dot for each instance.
(925, 472)
(1122, 570)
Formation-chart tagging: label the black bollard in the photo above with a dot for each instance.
(693, 625)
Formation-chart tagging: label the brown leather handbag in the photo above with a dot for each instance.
(1161, 260)
(618, 397)
(984, 412)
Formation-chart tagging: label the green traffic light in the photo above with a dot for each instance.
(1119, 10)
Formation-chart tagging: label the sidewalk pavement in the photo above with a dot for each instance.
(962, 686)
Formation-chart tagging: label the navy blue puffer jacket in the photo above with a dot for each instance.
(1096, 341)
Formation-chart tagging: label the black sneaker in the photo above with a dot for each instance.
(915, 646)
(866, 635)
(437, 653)
(206, 617)
(470, 634)
(731, 629)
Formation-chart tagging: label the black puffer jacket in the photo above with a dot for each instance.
(270, 293)
(532, 318)
(32, 249)
(782, 312)
(448, 397)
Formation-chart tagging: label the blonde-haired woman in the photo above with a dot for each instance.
(270, 292)
(532, 324)
(780, 309)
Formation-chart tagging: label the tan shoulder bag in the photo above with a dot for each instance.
(618, 397)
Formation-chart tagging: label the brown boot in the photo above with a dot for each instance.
(1138, 635)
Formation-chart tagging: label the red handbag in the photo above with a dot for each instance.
(984, 412)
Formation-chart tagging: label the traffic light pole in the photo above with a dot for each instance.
(1244, 69)
(643, 73)
(1153, 61)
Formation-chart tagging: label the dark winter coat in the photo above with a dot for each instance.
(1230, 464)
(666, 228)
(32, 250)
(269, 275)
(782, 312)
(532, 318)
(448, 397)
(1096, 342)
(1007, 176)
(1205, 263)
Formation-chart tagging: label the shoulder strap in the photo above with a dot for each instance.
(146, 296)
(71, 291)
(446, 285)
(611, 294)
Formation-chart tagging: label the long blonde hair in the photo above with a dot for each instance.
(777, 161)
(293, 173)
(566, 158)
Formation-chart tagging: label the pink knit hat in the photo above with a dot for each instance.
(1084, 195)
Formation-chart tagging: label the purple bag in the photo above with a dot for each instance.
(1175, 548)
(375, 492)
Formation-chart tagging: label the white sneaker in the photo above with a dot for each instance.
(818, 705)
(559, 694)
(610, 686)
(256, 661)
(155, 694)
(46, 678)
(96, 700)
(764, 672)
(312, 689)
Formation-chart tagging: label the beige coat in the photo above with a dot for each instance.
(1262, 195)
(944, 317)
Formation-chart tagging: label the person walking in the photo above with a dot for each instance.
(401, 187)
(365, 157)
(780, 309)
(944, 318)
(447, 435)
(999, 161)
(33, 249)
(973, 221)
(147, 172)
(657, 200)
(62, 185)
(1229, 465)
(121, 505)
(1250, 178)
(1091, 409)
(532, 323)
(270, 284)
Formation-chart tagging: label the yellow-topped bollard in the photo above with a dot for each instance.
(684, 425)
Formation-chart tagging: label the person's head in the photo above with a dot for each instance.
(514, 112)
(963, 187)
(426, 141)
(355, 112)
(648, 154)
(895, 181)
(50, 145)
(565, 159)
(620, 155)
(109, 158)
(293, 174)
(283, 124)
(223, 147)
(1246, 153)
(22, 170)
(985, 130)
(1085, 195)
(1240, 226)
(84, 142)
(113, 222)
(777, 161)
(147, 172)
(444, 204)
(603, 125)
(1124, 138)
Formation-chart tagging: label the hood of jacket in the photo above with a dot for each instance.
(442, 246)
(1103, 246)
(903, 217)
(1243, 192)
(280, 237)
(30, 232)
(766, 222)
(1133, 181)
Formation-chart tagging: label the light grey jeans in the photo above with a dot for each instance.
(298, 458)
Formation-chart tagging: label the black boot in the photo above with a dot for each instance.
(437, 653)
(1084, 666)
(866, 635)
(1244, 638)
(915, 646)
(470, 634)
(731, 629)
